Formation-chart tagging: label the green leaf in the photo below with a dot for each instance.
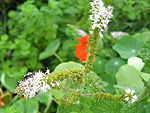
(68, 109)
(1, 73)
(145, 53)
(129, 108)
(31, 105)
(8, 82)
(58, 94)
(99, 65)
(106, 106)
(113, 65)
(93, 84)
(68, 65)
(25, 45)
(127, 46)
(143, 36)
(109, 79)
(17, 107)
(128, 76)
(136, 62)
(4, 37)
(68, 44)
(50, 50)
(46, 98)
(2, 110)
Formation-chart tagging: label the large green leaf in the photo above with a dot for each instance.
(31, 105)
(99, 65)
(136, 62)
(113, 65)
(50, 50)
(128, 46)
(17, 107)
(8, 82)
(69, 109)
(129, 108)
(68, 65)
(46, 98)
(109, 79)
(129, 76)
(143, 36)
(106, 106)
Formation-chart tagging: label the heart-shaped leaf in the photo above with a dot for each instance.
(113, 65)
(127, 46)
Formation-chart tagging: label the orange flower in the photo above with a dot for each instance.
(81, 48)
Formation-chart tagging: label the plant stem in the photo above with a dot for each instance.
(83, 95)
(56, 55)
(144, 92)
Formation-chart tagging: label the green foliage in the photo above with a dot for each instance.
(24, 106)
(136, 62)
(46, 99)
(68, 65)
(115, 63)
(110, 79)
(130, 15)
(50, 50)
(145, 53)
(9, 82)
(131, 78)
(98, 106)
(128, 46)
(39, 34)
(99, 64)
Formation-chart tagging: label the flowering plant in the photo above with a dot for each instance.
(79, 87)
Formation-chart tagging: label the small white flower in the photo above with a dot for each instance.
(127, 99)
(127, 91)
(130, 97)
(134, 98)
(132, 92)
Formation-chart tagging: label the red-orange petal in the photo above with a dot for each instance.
(83, 57)
(80, 50)
(83, 40)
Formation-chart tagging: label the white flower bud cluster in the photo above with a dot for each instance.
(37, 83)
(118, 34)
(130, 97)
(100, 15)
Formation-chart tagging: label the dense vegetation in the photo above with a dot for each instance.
(41, 34)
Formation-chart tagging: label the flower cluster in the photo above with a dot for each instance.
(100, 15)
(118, 34)
(80, 32)
(30, 86)
(81, 48)
(129, 96)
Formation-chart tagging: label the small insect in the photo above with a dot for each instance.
(28, 75)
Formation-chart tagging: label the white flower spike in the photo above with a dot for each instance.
(36, 82)
(100, 15)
